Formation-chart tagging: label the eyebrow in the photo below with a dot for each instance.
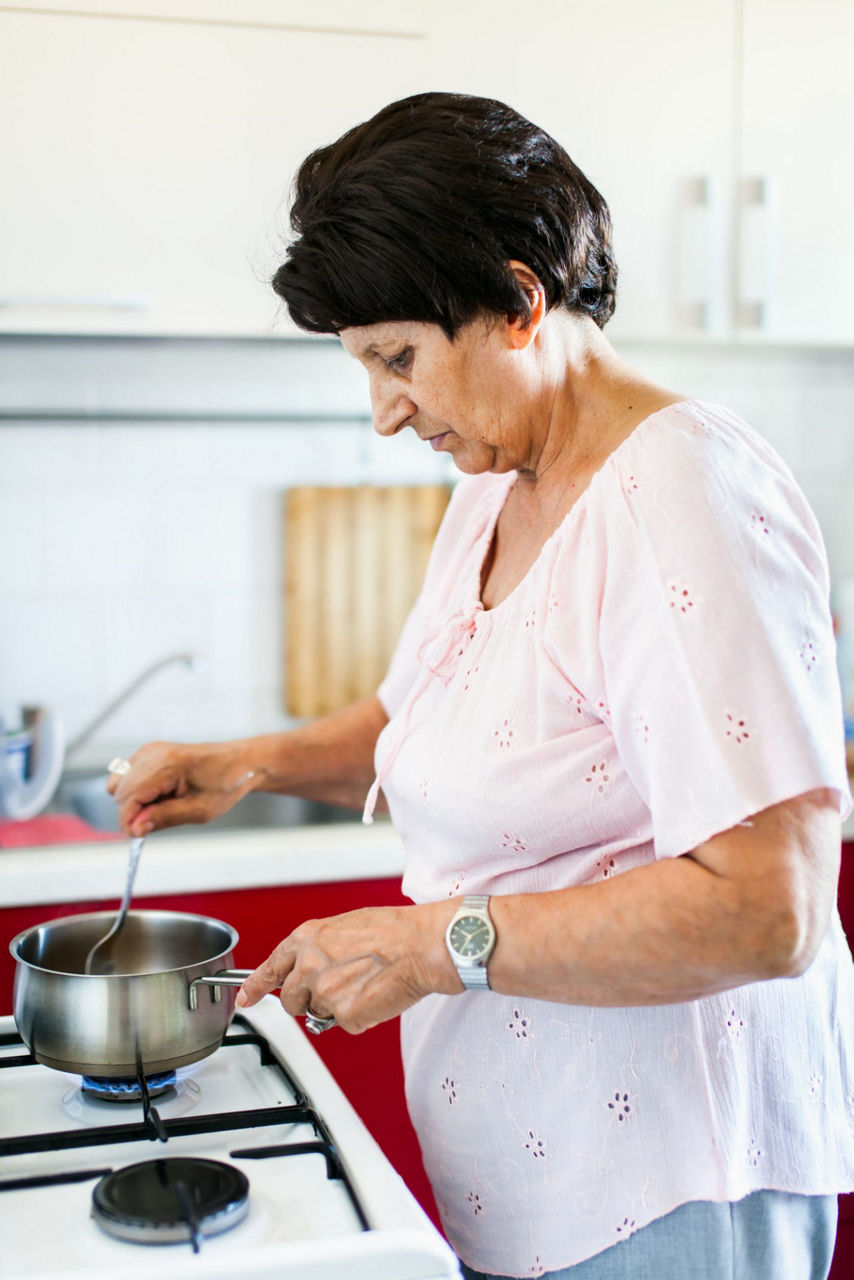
(372, 352)
(371, 349)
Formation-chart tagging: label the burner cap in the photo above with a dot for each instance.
(171, 1200)
(126, 1089)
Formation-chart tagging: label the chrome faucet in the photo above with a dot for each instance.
(188, 659)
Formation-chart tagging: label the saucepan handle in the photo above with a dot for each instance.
(215, 983)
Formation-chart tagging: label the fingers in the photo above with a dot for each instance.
(170, 783)
(142, 789)
(140, 814)
(157, 793)
(268, 977)
(358, 967)
(351, 993)
(154, 775)
(164, 814)
(305, 973)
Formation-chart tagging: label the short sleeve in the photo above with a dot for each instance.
(715, 654)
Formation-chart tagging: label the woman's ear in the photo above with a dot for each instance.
(521, 330)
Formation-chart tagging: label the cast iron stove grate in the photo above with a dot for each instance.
(153, 1126)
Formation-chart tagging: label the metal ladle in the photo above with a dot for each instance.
(121, 767)
(101, 950)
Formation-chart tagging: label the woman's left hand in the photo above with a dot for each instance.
(361, 967)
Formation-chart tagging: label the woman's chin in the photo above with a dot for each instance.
(474, 462)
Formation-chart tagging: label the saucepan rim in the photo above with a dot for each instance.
(233, 939)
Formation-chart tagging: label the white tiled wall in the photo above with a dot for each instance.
(123, 541)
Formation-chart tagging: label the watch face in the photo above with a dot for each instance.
(470, 936)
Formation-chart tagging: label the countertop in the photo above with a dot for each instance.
(175, 862)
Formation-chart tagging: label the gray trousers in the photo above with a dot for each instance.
(769, 1235)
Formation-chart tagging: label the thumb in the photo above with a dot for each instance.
(261, 981)
(166, 813)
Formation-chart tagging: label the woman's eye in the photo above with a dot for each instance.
(401, 362)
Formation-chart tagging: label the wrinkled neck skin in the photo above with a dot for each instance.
(581, 400)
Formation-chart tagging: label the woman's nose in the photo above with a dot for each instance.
(391, 407)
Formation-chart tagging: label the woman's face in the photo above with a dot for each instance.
(463, 397)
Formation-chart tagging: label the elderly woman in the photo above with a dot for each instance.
(610, 739)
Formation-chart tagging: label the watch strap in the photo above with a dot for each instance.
(475, 902)
(474, 979)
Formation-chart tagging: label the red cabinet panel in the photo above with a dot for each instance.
(843, 1258)
(367, 1067)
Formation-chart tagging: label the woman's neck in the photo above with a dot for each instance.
(588, 401)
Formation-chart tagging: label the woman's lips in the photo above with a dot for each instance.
(436, 441)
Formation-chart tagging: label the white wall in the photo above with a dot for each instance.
(126, 541)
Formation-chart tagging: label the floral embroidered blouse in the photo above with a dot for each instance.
(665, 670)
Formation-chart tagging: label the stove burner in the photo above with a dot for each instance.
(107, 1089)
(171, 1200)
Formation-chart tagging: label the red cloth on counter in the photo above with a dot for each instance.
(50, 828)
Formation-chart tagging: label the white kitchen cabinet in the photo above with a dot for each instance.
(146, 156)
(795, 247)
(389, 16)
(641, 97)
(719, 131)
(146, 163)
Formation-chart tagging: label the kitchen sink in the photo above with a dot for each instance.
(83, 792)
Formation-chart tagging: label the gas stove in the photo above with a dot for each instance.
(299, 1187)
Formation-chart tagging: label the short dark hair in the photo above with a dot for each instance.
(414, 215)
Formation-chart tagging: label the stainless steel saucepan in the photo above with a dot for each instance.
(168, 1002)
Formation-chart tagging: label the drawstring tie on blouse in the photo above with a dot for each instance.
(439, 654)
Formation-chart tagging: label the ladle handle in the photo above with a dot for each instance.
(215, 983)
(133, 862)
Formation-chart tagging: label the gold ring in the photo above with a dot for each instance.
(119, 765)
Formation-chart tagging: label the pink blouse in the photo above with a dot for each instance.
(665, 669)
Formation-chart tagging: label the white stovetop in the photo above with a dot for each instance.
(175, 862)
(300, 1225)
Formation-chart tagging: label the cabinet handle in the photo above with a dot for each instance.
(754, 248)
(698, 267)
(75, 301)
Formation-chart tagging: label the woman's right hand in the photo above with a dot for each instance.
(171, 783)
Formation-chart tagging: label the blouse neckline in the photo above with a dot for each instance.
(502, 492)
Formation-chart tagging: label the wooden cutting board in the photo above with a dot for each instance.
(354, 562)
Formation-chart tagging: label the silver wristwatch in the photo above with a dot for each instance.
(470, 938)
